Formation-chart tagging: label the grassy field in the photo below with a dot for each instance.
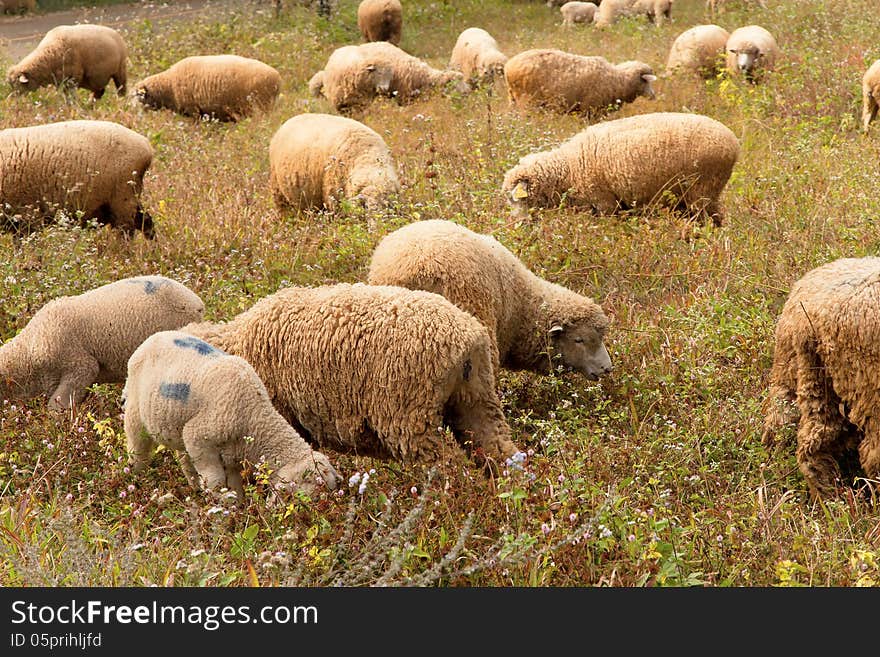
(655, 476)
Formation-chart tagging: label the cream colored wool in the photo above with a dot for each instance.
(214, 410)
(824, 373)
(567, 82)
(578, 12)
(477, 56)
(225, 87)
(89, 56)
(380, 20)
(534, 324)
(355, 75)
(664, 157)
(374, 370)
(95, 168)
(75, 341)
(317, 159)
(699, 50)
(870, 94)
(657, 11)
(751, 51)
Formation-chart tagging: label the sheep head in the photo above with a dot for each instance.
(581, 348)
(306, 474)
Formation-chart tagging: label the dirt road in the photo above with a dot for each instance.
(19, 34)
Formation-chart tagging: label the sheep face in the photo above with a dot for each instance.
(643, 75)
(581, 349)
(304, 474)
(747, 59)
(20, 80)
(141, 95)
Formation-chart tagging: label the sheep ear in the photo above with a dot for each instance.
(371, 67)
(23, 78)
(519, 192)
(555, 331)
(647, 77)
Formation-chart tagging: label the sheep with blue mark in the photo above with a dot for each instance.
(73, 342)
(213, 409)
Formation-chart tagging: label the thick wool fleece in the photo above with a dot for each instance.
(698, 50)
(380, 20)
(477, 56)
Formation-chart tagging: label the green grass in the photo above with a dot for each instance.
(656, 476)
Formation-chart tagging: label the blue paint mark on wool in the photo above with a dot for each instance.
(199, 346)
(150, 285)
(175, 391)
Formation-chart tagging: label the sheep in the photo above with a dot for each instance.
(751, 51)
(223, 87)
(668, 157)
(533, 324)
(377, 370)
(566, 82)
(610, 11)
(578, 12)
(698, 50)
(84, 56)
(215, 411)
(870, 94)
(824, 372)
(20, 6)
(477, 56)
(75, 341)
(354, 75)
(94, 169)
(317, 159)
(380, 20)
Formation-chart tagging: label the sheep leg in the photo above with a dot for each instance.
(189, 471)
(233, 478)
(120, 79)
(71, 389)
(869, 109)
(821, 426)
(137, 440)
(205, 457)
(781, 412)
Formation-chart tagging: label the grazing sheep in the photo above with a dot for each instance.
(355, 75)
(610, 11)
(533, 323)
(75, 341)
(566, 82)
(86, 56)
(667, 157)
(94, 169)
(214, 410)
(578, 12)
(751, 51)
(477, 56)
(870, 94)
(380, 20)
(825, 367)
(224, 87)
(376, 370)
(20, 6)
(698, 50)
(317, 159)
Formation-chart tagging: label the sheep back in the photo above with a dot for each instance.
(476, 55)
(380, 20)
(578, 12)
(699, 50)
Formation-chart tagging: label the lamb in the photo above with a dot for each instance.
(609, 11)
(578, 12)
(380, 20)
(824, 372)
(355, 75)
(477, 56)
(215, 411)
(870, 94)
(315, 160)
(75, 341)
(376, 370)
(698, 50)
(533, 324)
(667, 157)
(93, 169)
(751, 51)
(85, 56)
(20, 6)
(567, 82)
(224, 87)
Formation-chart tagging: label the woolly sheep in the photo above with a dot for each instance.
(533, 323)
(376, 370)
(380, 20)
(75, 341)
(578, 12)
(610, 11)
(355, 75)
(317, 159)
(215, 411)
(751, 50)
(698, 50)
(21, 6)
(477, 56)
(87, 56)
(663, 156)
(91, 167)
(567, 82)
(870, 94)
(825, 367)
(225, 87)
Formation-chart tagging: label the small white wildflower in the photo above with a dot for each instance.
(196, 552)
(354, 479)
(137, 546)
(363, 487)
(214, 509)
